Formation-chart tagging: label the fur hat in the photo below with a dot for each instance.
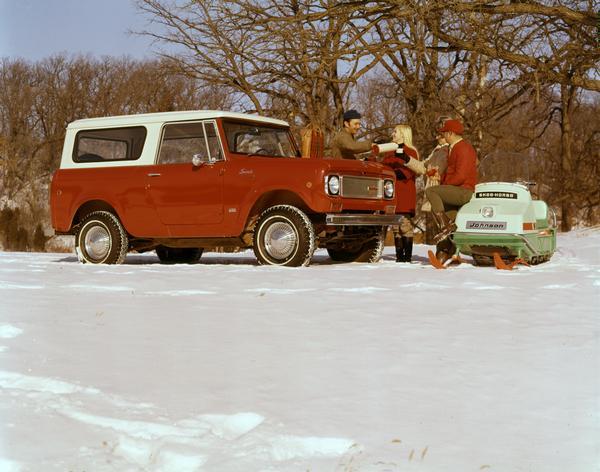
(453, 126)
(352, 115)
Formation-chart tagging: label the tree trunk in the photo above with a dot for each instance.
(567, 92)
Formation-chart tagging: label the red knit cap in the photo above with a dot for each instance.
(453, 126)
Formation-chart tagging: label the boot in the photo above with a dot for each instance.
(399, 248)
(407, 246)
(444, 250)
(445, 226)
(442, 256)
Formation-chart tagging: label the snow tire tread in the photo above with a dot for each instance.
(305, 226)
(116, 231)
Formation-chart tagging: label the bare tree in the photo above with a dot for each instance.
(544, 44)
(289, 58)
(523, 76)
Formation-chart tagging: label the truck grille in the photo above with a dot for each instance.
(361, 187)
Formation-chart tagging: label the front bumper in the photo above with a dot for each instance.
(337, 219)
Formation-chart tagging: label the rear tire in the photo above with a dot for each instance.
(284, 236)
(178, 255)
(101, 239)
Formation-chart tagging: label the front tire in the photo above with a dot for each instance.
(284, 236)
(101, 239)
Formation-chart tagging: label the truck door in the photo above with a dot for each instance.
(186, 184)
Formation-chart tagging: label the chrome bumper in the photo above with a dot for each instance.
(362, 220)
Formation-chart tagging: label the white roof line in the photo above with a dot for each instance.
(170, 116)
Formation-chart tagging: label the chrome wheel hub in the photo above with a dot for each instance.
(280, 240)
(97, 242)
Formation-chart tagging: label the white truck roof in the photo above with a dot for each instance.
(145, 118)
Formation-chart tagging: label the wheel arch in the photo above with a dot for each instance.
(89, 207)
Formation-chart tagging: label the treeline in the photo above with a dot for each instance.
(522, 76)
(38, 100)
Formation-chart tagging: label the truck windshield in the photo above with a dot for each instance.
(259, 140)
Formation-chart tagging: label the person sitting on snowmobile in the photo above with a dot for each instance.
(457, 185)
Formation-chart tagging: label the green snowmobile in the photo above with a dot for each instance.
(502, 224)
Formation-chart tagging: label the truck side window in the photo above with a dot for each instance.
(180, 142)
(117, 144)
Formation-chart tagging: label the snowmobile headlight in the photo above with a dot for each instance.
(487, 212)
(333, 185)
(388, 188)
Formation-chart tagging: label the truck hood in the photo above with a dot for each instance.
(332, 166)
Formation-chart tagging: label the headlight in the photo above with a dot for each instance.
(388, 188)
(487, 212)
(333, 185)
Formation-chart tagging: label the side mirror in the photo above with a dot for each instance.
(198, 160)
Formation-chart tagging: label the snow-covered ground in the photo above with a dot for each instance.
(229, 366)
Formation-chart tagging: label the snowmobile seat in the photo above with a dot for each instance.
(541, 209)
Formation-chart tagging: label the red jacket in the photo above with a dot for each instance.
(462, 166)
(405, 189)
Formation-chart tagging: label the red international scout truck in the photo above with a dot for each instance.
(180, 183)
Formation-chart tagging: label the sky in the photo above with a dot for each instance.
(35, 29)
(228, 366)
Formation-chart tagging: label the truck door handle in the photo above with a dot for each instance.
(154, 175)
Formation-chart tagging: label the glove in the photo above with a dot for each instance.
(431, 172)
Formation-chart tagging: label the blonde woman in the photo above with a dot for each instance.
(433, 167)
(406, 191)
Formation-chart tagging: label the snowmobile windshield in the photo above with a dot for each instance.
(500, 166)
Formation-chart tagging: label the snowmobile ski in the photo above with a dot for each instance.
(435, 262)
(501, 265)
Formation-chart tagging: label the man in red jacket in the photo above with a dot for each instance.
(457, 183)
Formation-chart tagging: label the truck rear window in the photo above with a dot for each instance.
(115, 144)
